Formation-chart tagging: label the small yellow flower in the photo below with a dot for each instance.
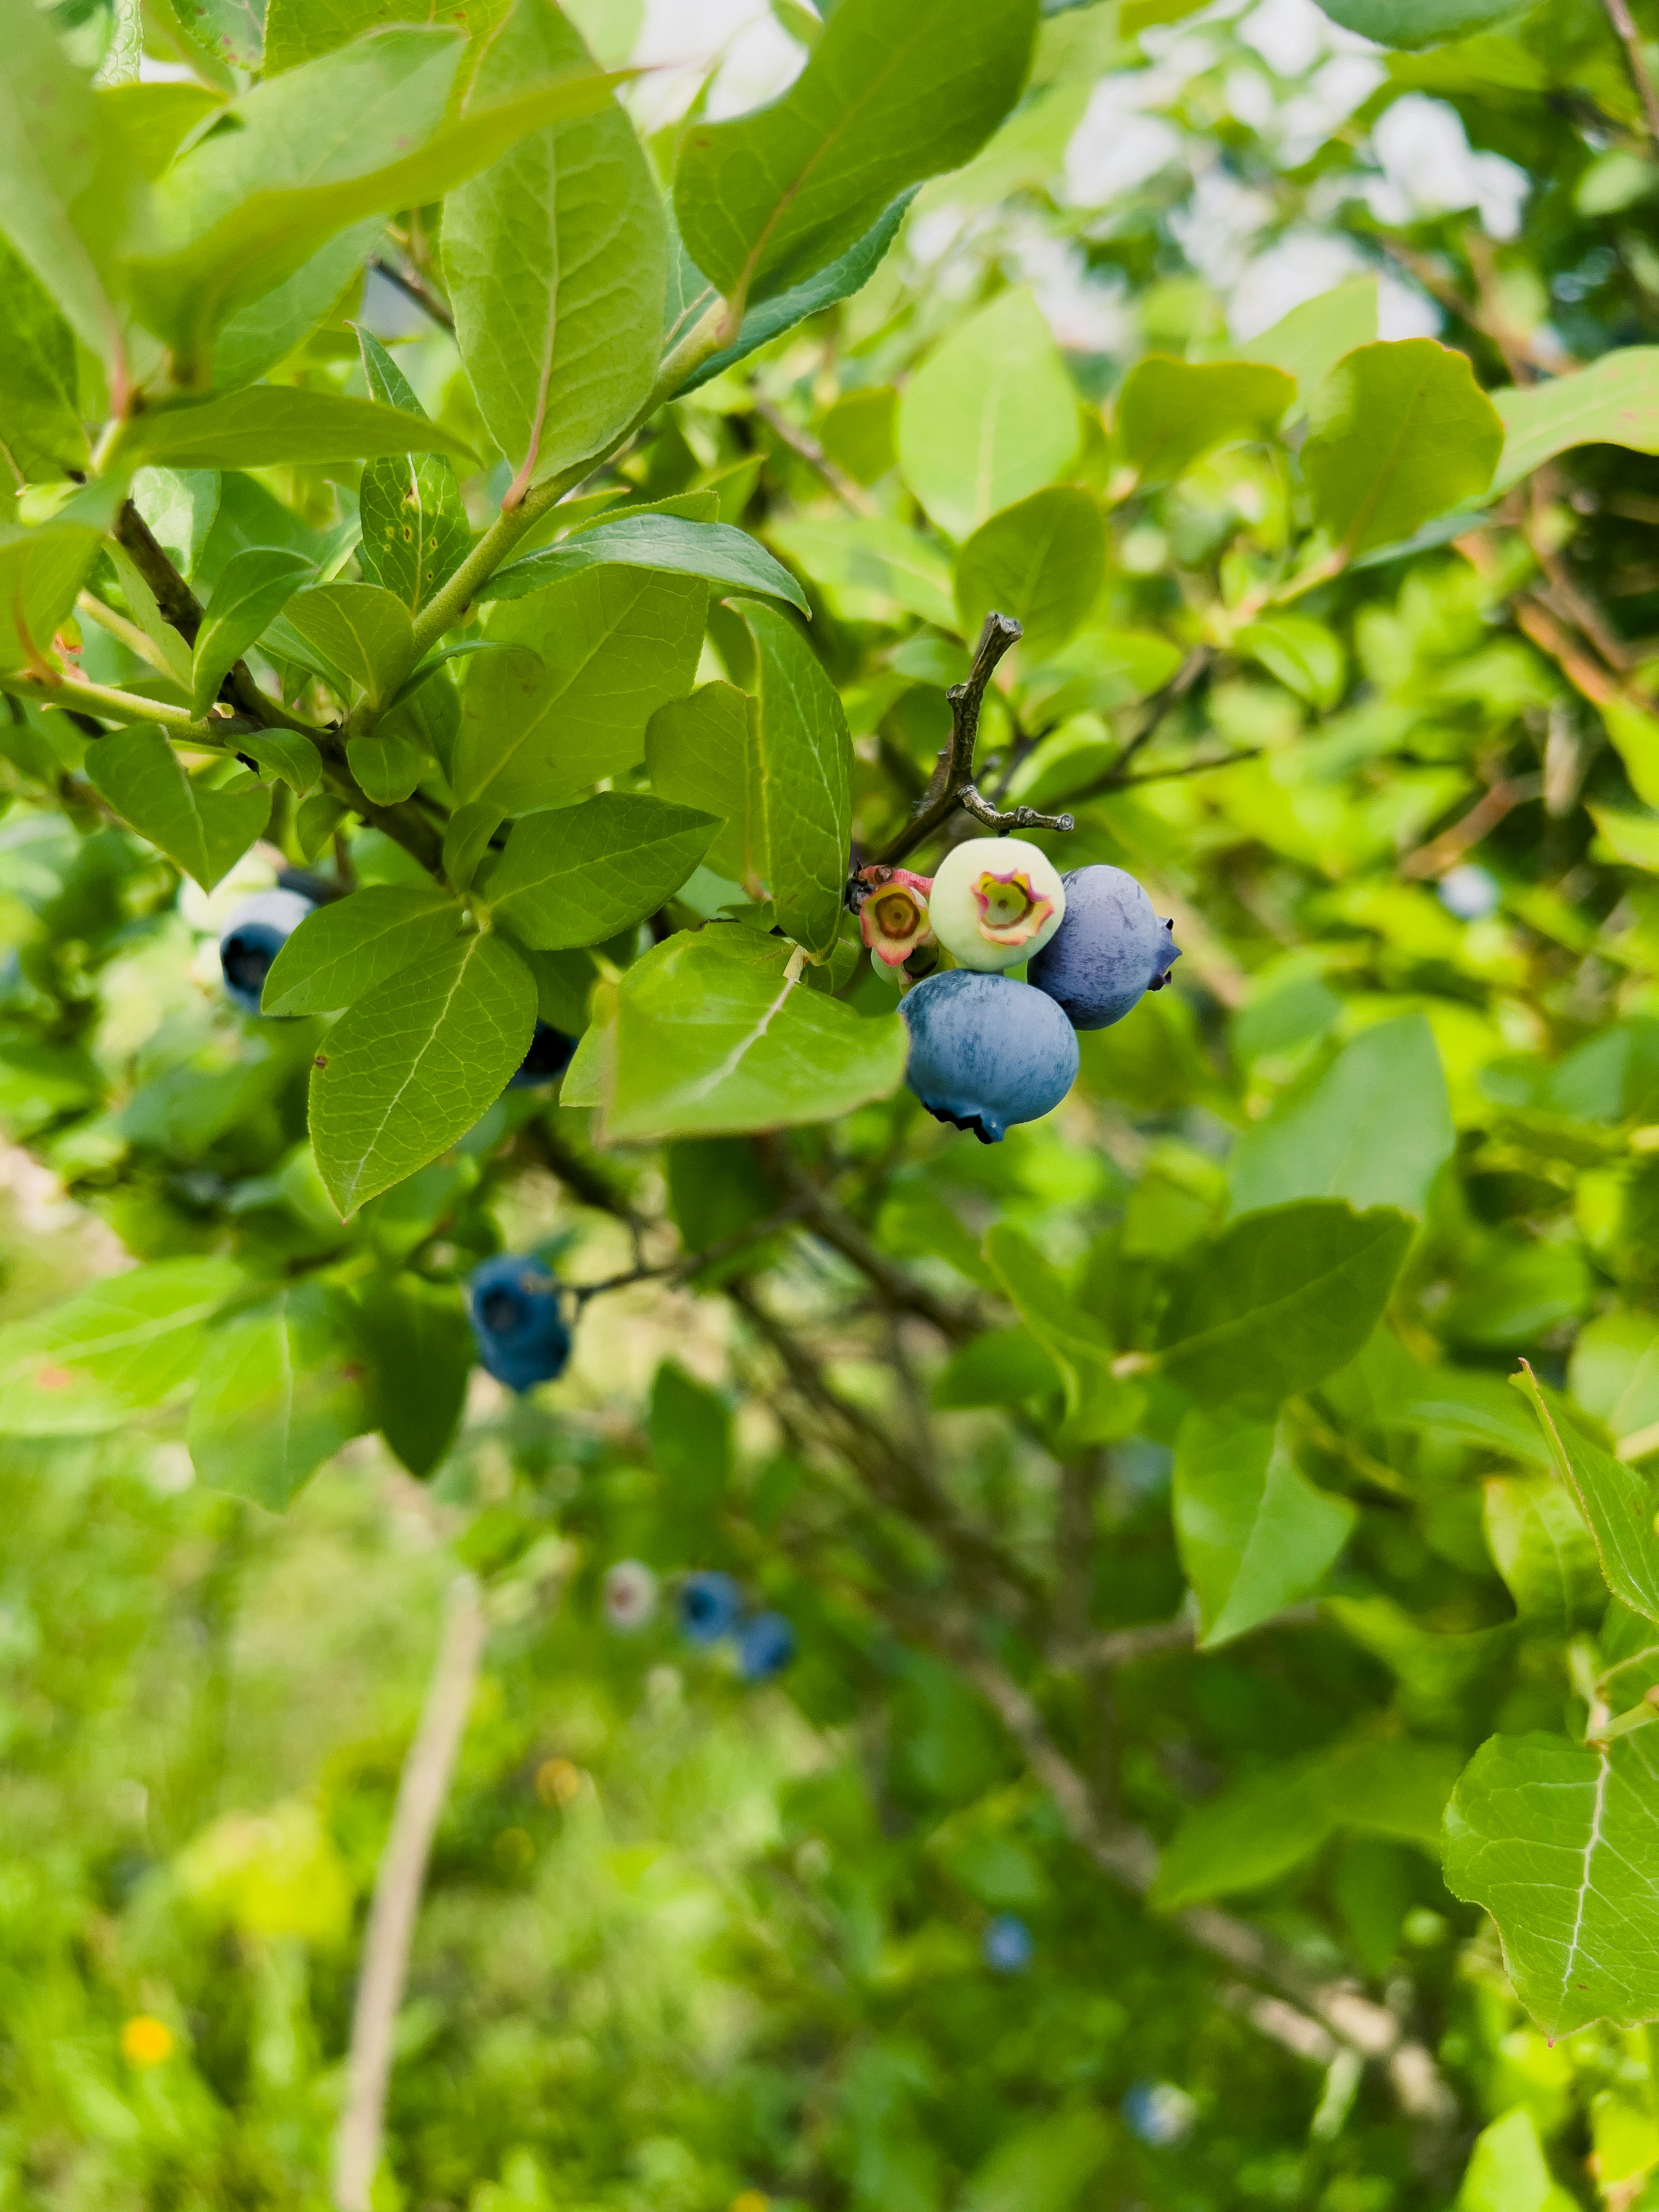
(749, 2200)
(145, 2041)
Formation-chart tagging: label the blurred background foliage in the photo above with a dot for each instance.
(689, 1943)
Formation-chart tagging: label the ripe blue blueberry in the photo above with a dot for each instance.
(710, 1603)
(765, 1647)
(1007, 1944)
(513, 1304)
(986, 1051)
(1110, 948)
(255, 933)
(550, 1055)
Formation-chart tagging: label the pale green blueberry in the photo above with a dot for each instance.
(995, 902)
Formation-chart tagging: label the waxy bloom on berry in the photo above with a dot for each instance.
(996, 900)
(893, 919)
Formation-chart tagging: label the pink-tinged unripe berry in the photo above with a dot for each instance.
(893, 918)
(995, 902)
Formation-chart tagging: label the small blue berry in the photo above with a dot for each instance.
(710, 1603)
(1110, 948)
(1158, 2112)
(986, 1051)
(254, 934)
(550, 1055)
(1471, 892)
(1007, 1945)
(513, 1304)
(765, 1647)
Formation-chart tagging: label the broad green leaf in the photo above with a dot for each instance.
(1414, 24)
(1397, 433)
(42, 571)
(1436, 1671)
(580, 874)
(690, 1429)
(871, 567)
(1097, 671)
(359, 630)
(1308, 342)
(1254, 1534)
(1001, 1367)
(301, 30)
(285, 756)
(1098, 1406)
(805, 759)
(1614, 1373)
(1616, 1501)
(1614, 402)
(1282, 1299)
(1041, 561)
(1374, 1128)
(714, 551)
(387, 768)
(421, 1354)
(154, 119)
(415, 533)
(1559, 1841)
(1547, 1556)
(416, 1062)
(363, 131)
(204, 831)
(172, 652)
(781, 311)
(713, 1035)
(253, 588)
(121, 1343)
(604, 649)
(271, 422)
(555, 260)
(259, 336)
(40, 425)
(1044, 2167)
(768, 198)
(1171, 413)
(1508, 2171)
(343, 951)
(178, 507)
(1305, 655)
(704, 751)
(280, 1390)
(989, 417)
(466, 841)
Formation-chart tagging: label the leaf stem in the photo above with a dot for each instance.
(126, 706)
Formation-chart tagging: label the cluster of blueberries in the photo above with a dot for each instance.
(711, 1610)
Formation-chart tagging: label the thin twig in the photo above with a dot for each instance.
(416, 288)
(422, 1790)
(691, 1263)
(1015, 817)
(1630, 38)
(955, 767)
(806, 449)
(1442, 852)
(1195, 665)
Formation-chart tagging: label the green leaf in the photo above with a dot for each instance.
(1254, 1534)
(416, 1062)
(1435, 1672)
(580, 874)
(253, 588)
(1508, 2171)
(1098, 1406)
(704, 751)
(714, 551)
(1305, 656)
(1044, 2167)
(1097, 671)
(362, 631)
(1041, 561)
(343, 951)
(783, 310)
(1001, 1367)
(714, 1035)
(41, 424)
(280, 1391)
(204, 831)
(1171, 413)
(180, 507)
(989, 417)
(555, 260)
(768, 198)
(287, 755)
(1547, 1556)
(415, 533)
(1414, 24)
(1308, 342)
(125, 1342)
(1559, 1841)
(1282, 1299)
(420, 1355)
(298, 31)
(272, 423)
(1616, 1501)
(871, 567)
(42, 571)
(142, 605)
(805, 758)
(259, 336)
(1374, 1128)
(690, 1429)
(1397, 433)
(466, 841)
(363, 131)
(1614, 402)
(606, 647)
(387, 768)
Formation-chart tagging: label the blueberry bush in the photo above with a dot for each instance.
(838, 911)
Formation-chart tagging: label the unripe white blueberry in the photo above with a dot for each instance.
(995, 902)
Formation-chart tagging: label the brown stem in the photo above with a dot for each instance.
(416, 288)
(955, 769)
(1015, 817)
(807, 448)
(1624, 23)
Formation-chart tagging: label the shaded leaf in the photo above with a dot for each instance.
(1254, 1534)
(42, 571)
(415, 533)
(421, 1353)
(271, 422)
(39, 410)
(125, 1342)
(1414, 24)
(1614, 402)
(206, 831)
(359, 630)
(1308, 342)
(713, 551)
(1547, 1556)
(868, 566)
(279, 1391)
(805, 759)
(1397, 433)
(1616, 1501)
(704, 751)
(1171, 413)
(254, 586)
(343, 950)
(1041, 561)
(578, 874)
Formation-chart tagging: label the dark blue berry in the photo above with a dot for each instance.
(1109, 950)
(710, 1603)
(765, 1647)
(1007, 1945)
(513, 1304)
(986, 1051)
(549, 1056)
(255, 933)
